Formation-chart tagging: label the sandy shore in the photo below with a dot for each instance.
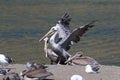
(64, 72)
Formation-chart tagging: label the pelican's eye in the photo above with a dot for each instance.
(54, 29)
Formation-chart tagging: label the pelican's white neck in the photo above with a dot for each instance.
(52, 39)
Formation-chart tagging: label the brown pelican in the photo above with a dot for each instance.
(80, 59)
(65, 36)
(49, 53)
(37, 74)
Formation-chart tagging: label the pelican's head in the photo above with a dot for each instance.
(51, 31)
(78, 54)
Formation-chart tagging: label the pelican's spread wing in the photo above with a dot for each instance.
(75, 35)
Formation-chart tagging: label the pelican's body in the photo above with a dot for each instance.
(63, 37)
(79, 59)
(5, 60)
(36, 74)
(83, 61)
(49, 53)
(64, 55)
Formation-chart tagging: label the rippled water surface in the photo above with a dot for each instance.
(23, 22)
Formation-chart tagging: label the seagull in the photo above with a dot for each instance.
(91, 69)
(33, 66)
(76, 77)
(4, 71)
(5, 60)
(43, 66)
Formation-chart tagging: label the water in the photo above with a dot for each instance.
(23, 22)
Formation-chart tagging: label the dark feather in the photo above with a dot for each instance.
(38, 73)
(95, 69)
(75, 35)
(3, 72)
(65, 20)
(8, 59)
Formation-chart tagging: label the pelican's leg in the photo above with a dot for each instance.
(51, 61)
(59, 61)
(46, 54)
(66, 54)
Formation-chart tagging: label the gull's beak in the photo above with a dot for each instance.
(49, 33)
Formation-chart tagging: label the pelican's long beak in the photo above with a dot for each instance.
(49, 33)
(69, 59)
(76, 55)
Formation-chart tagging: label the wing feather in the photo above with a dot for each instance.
(40, 75)
(75, 35)
(65, 20)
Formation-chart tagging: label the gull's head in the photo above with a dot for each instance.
(50, 32)
(79, 54)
